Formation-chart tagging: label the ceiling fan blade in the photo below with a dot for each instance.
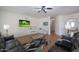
(49, 8)
(43, 6)
(44, 10)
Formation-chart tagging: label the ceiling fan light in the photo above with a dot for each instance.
(44, 9)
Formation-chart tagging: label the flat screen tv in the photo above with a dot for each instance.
(24, 23)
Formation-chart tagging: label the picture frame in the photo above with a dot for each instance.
(45, 23)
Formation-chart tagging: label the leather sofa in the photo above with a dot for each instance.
(67, 44)
(9, 44)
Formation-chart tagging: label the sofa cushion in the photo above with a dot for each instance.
(10, 45)
(9, 38)
(2, 44)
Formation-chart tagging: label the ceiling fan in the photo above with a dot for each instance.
(44, 8)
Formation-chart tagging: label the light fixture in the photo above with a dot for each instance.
(43, 9)
(69, 26)
(72, 24)
(6, 27)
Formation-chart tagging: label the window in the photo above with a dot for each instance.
(70, 24)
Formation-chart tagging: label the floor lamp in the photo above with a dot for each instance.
(6, 28)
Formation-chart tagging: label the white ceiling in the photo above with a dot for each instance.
(31, 11)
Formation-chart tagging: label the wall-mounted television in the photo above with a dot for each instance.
(24, 23)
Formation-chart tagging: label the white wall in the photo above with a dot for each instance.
(0, 21)
(61, 20)
(52, 24)
(39, 24)
(46, 29)
(0, 25)
(59, 25)
(12, 19)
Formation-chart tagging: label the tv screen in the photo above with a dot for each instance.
(24, 23)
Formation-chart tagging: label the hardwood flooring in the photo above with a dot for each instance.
(52, 39)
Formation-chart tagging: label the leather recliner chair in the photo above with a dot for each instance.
(10, 45)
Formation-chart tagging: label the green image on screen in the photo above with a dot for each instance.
(24, 23)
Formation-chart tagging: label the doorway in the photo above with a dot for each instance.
(52, 28)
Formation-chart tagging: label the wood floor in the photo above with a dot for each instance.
(52, 39)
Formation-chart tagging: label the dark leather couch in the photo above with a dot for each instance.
(67, 44)
(9, 44)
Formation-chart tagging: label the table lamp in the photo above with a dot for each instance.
(6, 28)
